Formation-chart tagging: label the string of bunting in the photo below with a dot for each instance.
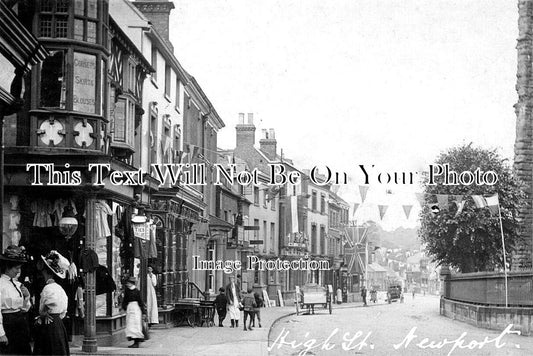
(436, 202)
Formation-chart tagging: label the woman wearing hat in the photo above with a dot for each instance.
(135, 312)
(14, 302)
(51, 338)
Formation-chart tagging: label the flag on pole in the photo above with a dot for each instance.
(407, 210)
(382, 211)
(363, 189)
(492, 203)
(479, 201)
(355, 206)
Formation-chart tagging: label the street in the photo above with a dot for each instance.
(389, 329)
(379, 329)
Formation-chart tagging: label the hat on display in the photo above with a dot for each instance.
(14, 254)
(56, 263)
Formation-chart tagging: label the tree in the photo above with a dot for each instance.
(471, 241)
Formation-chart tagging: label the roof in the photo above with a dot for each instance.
(375, 267)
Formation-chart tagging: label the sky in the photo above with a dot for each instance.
(389, 83)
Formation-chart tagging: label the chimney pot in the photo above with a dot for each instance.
(250, 118)
(241, 118)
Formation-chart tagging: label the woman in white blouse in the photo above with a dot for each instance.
(51, 338)
(14, 304)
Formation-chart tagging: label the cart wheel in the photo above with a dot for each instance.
(330, 308)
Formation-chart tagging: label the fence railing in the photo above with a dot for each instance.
(488, 288)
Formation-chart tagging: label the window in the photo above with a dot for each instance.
(322, 250)
(256, 231)
(55, 18)
(53, 81)
(154, 63)
(265, 195)
(314, 245)
(124, 121)
(265, 235)
(167, 80)
(178, 93)
(256, 195)
(313, 201)
(272, 233)
(273, 203)
(322, 204)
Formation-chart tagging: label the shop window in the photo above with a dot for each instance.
(53, 81)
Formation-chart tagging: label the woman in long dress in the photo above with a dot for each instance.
(151, 298)
(135, 312)
(51, 338)
(234, 301)
(14, 304)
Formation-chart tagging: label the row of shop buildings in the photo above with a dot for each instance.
(96, 82)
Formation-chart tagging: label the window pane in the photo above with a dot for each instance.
(47, 5)
(91, 32)
(53, 81)
(78, 30)
(91, 8)
(61, 27)
(79, 7)
(45, 28)
(62, 5)
(120, 121)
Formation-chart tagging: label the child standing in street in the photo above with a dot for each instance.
(221, 302)
(249, 305)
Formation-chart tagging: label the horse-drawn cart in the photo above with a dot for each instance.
(312, 294)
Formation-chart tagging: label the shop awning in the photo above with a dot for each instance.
(219, 224)
(17, 44)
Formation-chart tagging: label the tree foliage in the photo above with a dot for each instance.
(471, 241)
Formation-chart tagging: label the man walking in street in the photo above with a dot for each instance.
(363, 294)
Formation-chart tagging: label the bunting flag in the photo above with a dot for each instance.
(382, 211)
(193, 151)
(185, 157)
(420, 198)
(479, 201)
(407, 210)
(335, 188)
(460, 203)
(355, 206)
(442, 199)
(388, 191)
(493, 203)
(363, 189)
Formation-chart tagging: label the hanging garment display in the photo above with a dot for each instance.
(101, 213)
(42, 209)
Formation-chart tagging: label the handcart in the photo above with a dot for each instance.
(312, 294)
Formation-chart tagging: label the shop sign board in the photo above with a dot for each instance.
(84, 93)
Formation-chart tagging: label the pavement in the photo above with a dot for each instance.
(185, 340)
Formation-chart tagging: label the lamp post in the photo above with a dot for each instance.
(141, 231)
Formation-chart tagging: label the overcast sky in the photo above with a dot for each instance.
(349, 82)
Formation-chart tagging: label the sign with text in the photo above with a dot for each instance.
(256, 242)
(84, 92)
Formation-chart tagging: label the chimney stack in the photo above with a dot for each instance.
(158, 13)
(268, 144)
(245, 131)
